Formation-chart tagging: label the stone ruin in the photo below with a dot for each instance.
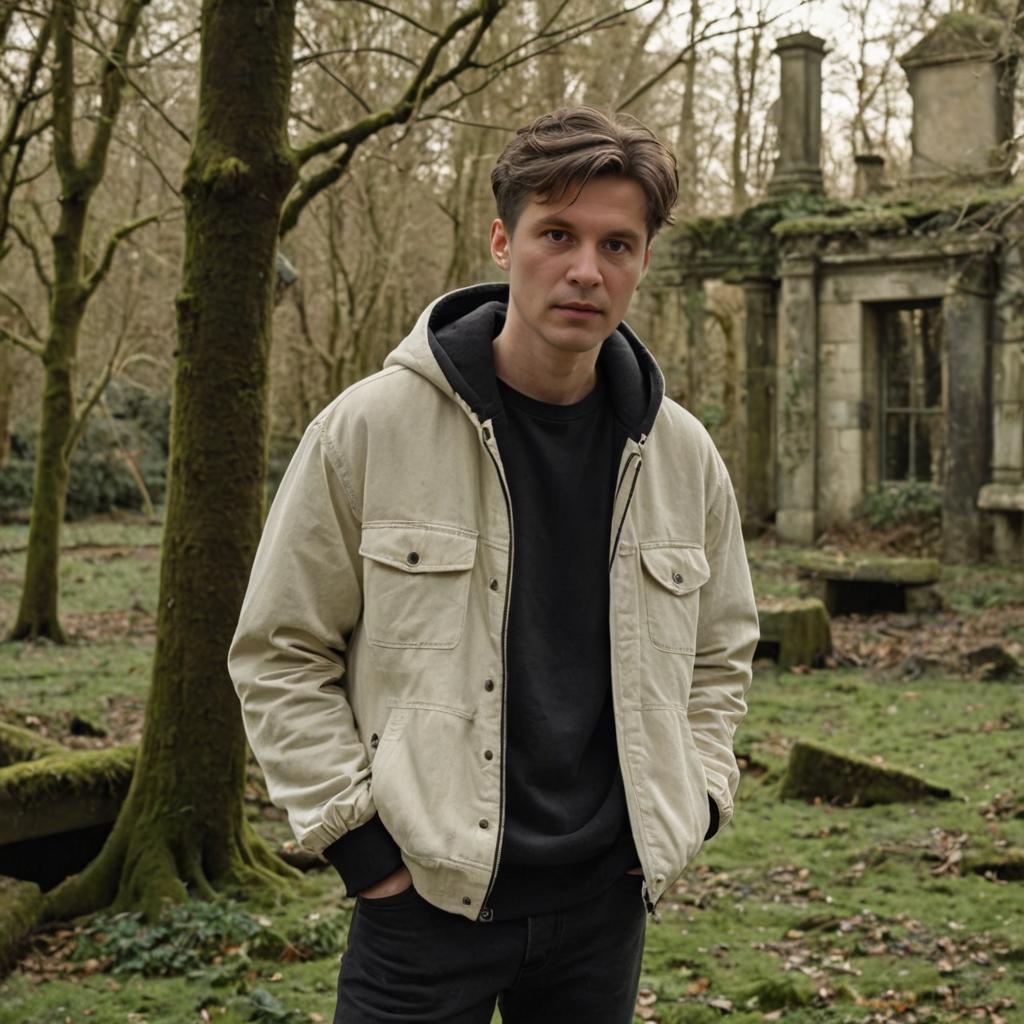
(883, 337)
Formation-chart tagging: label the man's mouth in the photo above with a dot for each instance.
(584, 309)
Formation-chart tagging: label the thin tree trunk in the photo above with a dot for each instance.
(182, 827)
(688, 167)
(6, 388)
(60, 425)
(37, 611)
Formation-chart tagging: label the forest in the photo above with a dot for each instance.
(216, 217)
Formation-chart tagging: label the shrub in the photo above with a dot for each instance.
(100, 478)
(897, 504)
(186, 938)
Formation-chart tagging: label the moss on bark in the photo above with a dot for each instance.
(20, 907)
(182, 828)
(17, 744)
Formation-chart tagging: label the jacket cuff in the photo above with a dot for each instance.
(715, 818)
(364, 856)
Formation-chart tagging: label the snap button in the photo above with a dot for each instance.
(493, 583)
(488, 755)
(489, 685)
(413, 558)
(374, 740)
(677, 577)
(486, 914)
(466, 901)
(484, 823)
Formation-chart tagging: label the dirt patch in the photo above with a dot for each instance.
(118, 624)
(911, 645)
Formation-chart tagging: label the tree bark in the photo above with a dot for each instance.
(182, 827)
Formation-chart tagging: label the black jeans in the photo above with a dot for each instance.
(409, 961)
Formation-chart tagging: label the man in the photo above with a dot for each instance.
(499, 628)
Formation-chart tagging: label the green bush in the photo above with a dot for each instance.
(897, 504)
(100, 478)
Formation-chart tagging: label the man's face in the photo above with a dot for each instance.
(573, 263)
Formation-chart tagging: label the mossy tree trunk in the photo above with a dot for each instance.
(182, 828)
(74, 282)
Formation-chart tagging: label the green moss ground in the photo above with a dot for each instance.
(831, 915)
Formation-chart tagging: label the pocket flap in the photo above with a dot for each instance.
(679, 568)
(419, 547)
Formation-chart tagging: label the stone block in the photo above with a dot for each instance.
(794, 631)
(871, 569)
(816, 772)
(872, 583)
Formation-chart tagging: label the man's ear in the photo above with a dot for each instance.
(647, 258)
(500, 241)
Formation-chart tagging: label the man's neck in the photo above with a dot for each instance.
(545, 374)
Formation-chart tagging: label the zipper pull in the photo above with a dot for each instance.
(651, 909)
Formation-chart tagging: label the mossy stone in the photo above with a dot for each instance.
(21, 904)
(877, 569)
(797, 628)
(817, 772)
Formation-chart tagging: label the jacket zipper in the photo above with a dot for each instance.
(633, 456)
(649, 904)
(504, 674)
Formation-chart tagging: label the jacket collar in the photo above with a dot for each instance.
(451, 345)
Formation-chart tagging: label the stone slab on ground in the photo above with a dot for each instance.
(871, 583)
(64, 791)
(21, 903)
(870, 568)
(794, 631)
(818, 772)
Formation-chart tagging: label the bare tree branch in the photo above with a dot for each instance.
(16, 339)
(423, 85)
(93, 279)
(397, 14)
(22, 315)
(33, 250)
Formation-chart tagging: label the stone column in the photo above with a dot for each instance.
(696, 349)
(796, 393)
(758, 499)
(966, 321)
(798, 165)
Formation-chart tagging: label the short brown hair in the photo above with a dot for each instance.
(570, 146)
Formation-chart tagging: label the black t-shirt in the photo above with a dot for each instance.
(567, 835)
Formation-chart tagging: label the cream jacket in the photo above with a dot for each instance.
(369, 656)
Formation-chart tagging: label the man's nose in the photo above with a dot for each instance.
(584, 269)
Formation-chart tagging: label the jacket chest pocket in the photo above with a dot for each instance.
(416, 580)
(672, 577)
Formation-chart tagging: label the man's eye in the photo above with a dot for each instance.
(557, 236)
(616, 246)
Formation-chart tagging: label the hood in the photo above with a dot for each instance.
(451, 345)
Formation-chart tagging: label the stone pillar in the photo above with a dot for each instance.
(798, 165)
(758, 498)
(696, 348)
(966, 321)
(796, 392)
